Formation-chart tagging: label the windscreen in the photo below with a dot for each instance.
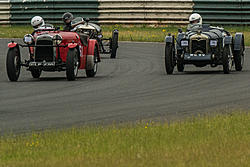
(77, 20)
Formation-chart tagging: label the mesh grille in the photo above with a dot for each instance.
(198, 45)
(44, 52)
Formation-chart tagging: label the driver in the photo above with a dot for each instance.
(195, 18)
(37, 22)
(195, 21)
(67, 18)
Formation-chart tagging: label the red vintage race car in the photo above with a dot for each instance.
(53, 50)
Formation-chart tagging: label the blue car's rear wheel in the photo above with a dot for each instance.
(180, 64)
(239, 58)
(36, 73)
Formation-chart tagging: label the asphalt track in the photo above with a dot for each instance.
(132, 87)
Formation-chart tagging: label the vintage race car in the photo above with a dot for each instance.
(203, 45)
(53, 50)
(106, 45)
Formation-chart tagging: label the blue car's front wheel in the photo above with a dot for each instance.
(13, 64)
(169, 58)
(227, 59)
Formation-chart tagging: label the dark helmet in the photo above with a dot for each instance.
(67, 16)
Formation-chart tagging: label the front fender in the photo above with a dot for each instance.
(180, 36)
(238, 41)
(72, 45)
(12, 44)
(228, 40)
(169, 39)
(91, 48)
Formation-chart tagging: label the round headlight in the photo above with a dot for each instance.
(184, 43)
(100, 36)
(28, 39)
(57, 39)
(213, 43)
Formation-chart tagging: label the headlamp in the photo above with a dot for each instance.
(28, 39)
(100, 36)
(184, 43)
(57, 39)
(213, 43)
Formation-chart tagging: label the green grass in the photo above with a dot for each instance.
(221, 140)
(126, 33)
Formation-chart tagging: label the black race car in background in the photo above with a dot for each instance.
(203, 45)
(94, 31)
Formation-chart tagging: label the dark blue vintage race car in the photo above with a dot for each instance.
(203, 45)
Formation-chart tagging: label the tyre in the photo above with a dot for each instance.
(239, 58)
(226, 59)
(91, 68)
(13, 64)
(180, 66)
(36, 73)
(169, 58)
(114, 44)
(72, 64)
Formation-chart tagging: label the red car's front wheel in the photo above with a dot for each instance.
(92, 64)
(72, 64)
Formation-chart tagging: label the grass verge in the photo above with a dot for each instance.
(126, 33)
(222, 140)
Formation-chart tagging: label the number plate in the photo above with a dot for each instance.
(49, 64)
(42, 64)
(198, 55)
(27, 39)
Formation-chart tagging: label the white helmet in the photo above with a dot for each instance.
(195, 18)
(37, 21)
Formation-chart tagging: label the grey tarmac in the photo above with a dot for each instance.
(131, 88)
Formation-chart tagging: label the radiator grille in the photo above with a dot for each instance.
(44, 52)
(198, 46)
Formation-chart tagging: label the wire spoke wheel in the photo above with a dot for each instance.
(227, 59)
(169, 58)
(72, 64)
(13, 64)
(114, 44)
(239, 58)
(92, 64)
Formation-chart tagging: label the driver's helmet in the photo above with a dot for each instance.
(37, 21)
(195, 18)
(67, 17)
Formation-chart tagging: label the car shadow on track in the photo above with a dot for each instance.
(108, 58)
(217, 72)
(80, 78)
(43, 79)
